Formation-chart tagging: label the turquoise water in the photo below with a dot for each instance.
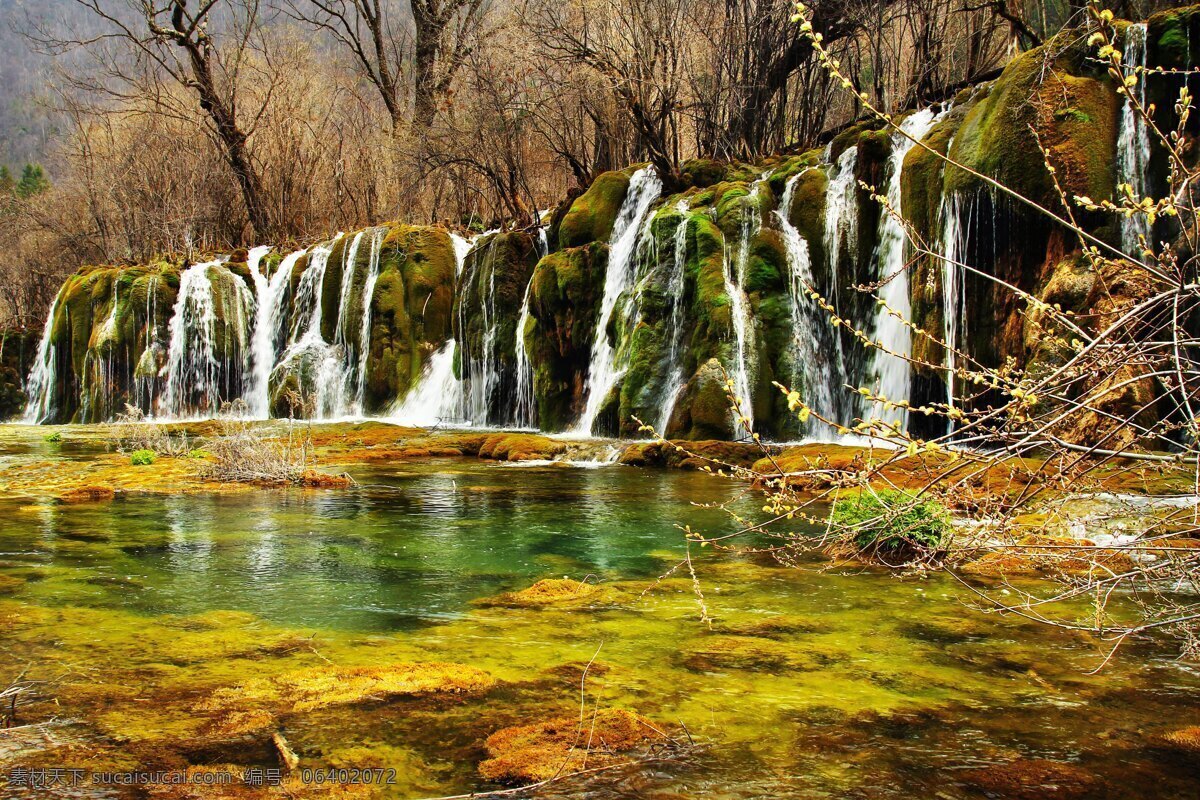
(871, 686)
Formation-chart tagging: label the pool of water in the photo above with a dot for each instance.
(810, 681)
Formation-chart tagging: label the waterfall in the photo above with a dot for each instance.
(1133, 141)
(744, 353)
(525, 405)
(644, 189)
(815, 355)
(41, 384)
(951, 211)
(197, 375)
(364, 332)
(436, 395)
(841, 216)
(674, 384)
(890, 373)
(461, 248)
(480, 373)
(307, 352)
(268, 320)
(349, 269)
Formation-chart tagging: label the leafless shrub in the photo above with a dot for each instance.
(132, 430)
(239, 452)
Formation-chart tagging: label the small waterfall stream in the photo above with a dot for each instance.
(524, 403)
(435, 397)
(674, 384)
(890, 373)
(603, 374)
(841, 217)
(199, 377)
(815, 355)
(363, 344)
(1133, 141)
(744, 329)
(270, 291)
(480, 370)
(42, 382)
(954, 212)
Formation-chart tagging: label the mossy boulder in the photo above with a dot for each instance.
(593, 214)
(411, 310)
(563, 307)
(1072, 104)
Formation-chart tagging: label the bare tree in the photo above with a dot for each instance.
(144, 42)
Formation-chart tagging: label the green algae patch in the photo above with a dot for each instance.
(255, 704)
(560, 746)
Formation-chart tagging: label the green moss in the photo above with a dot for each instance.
(594, 213)
(141, 458)
(411, 310)
(53, 438)
(1073, 106)
(563, 303)
(890, 523)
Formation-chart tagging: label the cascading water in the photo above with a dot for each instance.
(269, 319)
(364, 331)
(815, 356)
(956, 223)
(890, 373)
(603, 373)
(744, 338)
(841, 216)
(199, 377)
(42, 382)
(674, 384)
(318, 366)
(462, 246)
(1133, 140)
(524, 404)
(435, 398)
(480, 370)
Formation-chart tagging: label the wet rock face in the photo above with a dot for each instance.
(17, 350)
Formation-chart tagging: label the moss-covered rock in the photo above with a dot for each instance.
(593, 214)
(411, 310)
(563, 307)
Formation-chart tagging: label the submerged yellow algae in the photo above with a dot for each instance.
(560, 746)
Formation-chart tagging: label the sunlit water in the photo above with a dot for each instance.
(876, 686)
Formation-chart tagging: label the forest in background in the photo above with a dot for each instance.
(175, 127)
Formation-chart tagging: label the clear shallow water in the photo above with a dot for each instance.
(872, 686)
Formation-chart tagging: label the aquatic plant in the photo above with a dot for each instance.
(141, 458)
(889, 524)
(53, 438)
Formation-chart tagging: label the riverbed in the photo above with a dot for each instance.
(157, 619)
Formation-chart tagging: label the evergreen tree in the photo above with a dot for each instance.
(33, 181)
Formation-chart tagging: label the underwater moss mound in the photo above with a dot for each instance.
(754, 653)
(87, 494)
(257, 703)
(538, 752)
(550, 592)
(1032, 779)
